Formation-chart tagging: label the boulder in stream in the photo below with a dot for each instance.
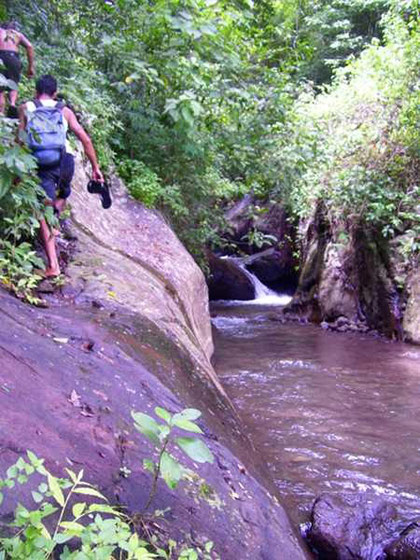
(274, 269)
(407, 545)
(352, 526)
(347, 273)
(228, 281)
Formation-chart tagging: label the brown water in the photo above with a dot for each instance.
(329, 412)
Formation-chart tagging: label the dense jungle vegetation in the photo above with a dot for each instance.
(197, 102)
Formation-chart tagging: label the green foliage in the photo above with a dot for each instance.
(61, 526)
(200, 102)
(92, 527)
(20, 210)
(142, 182)
(163, 437)
(355, 147)
(259, 239)
(180, 94)
(336, 31)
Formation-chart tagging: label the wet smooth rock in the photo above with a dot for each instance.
(347, 274)
(411, 322)
(132, 332)
(274, 268)
(352, 526)
(228, 281)
(407, 546)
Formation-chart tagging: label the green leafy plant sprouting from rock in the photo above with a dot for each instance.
(72, 520)
(163, 437)
(94, 528)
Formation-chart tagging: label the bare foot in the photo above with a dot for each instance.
(52, 272)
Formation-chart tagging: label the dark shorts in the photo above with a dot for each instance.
(12, 66)
(56, 180)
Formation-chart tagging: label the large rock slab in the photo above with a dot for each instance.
(118, 362)
(128, 255)
(131, 331)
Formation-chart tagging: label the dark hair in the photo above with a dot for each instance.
(9, 25)
(46, 84)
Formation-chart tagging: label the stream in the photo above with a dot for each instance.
(330, 412)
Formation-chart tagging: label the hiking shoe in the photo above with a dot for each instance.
(96, 187)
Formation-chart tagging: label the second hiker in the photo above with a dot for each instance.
(10, 40)
(45, 122)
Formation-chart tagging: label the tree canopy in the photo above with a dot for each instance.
(197, 102)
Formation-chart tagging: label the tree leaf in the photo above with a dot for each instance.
(189, 414)
(62, 538)
(104, 508)
(196, 449)
(147, 426)
(170, 470)
(37, 497)
(78, 509)
(90, 492)
(164, 414)
(149, 465)
(55, 490)
(187, 425)
(72, 527)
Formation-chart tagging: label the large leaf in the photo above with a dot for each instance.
(147, 426)
(55, 490)
(162, 413)
(78, 509)
(90, 492)
(170, 470)
(188, 414)
(196, 449)
(183, 420)
(187, 425)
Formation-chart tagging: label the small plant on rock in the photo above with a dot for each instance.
(162, 435)
(67, 510)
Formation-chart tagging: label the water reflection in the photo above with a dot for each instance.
(329, 411)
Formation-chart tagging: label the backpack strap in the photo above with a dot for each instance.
(59, 105)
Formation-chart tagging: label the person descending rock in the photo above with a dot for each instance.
(11, 67)
(44, 123)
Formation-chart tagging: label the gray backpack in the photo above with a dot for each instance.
(46, 133)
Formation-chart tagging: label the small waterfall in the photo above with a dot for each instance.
(263, 294)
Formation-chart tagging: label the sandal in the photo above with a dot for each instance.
(96, 187)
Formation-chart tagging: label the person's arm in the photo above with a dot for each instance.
(84, 138)
(30, 52)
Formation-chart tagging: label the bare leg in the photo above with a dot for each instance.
(48, 240)
(13, 95)
(60, 204)
(2, 102)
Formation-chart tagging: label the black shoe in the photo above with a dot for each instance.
(12, 112)
(96, 187)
